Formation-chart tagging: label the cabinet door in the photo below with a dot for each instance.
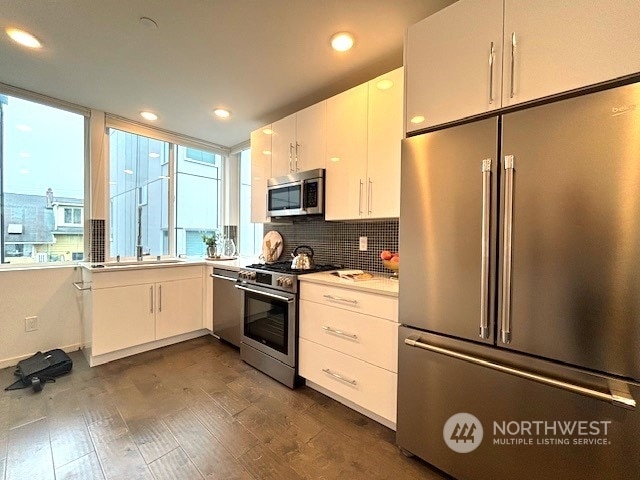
(122, 317)
(260, 173)
(449, 76)
(178, 307)
(311, 137)
(345, 190)
(283, 144)
(385, 135)
(561, 46)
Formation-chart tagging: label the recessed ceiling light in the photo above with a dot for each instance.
(417, 119)
(23, 38)
(342, 41)
(149, 115)
(148, 22)
(266, 152)
(154, 155)
(222, 112)
(335, 159)
(385, 84)
(128, 172)
(267, 131)
(23, 128)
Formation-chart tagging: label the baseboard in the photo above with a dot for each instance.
(353, 406)
(10, 362)
(95, 360)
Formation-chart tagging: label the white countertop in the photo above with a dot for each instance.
(234, 265)
(380, 284)
(111, 266)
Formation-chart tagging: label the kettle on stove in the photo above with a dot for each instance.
(302, 260)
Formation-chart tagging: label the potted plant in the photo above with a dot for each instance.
(213, 243)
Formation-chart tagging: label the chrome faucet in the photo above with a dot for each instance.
(139, 251)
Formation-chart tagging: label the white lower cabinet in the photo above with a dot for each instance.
(131, 308)
(348, 346)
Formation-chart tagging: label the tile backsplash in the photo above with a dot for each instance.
(338, 242)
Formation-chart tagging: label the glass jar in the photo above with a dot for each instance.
(229, 249)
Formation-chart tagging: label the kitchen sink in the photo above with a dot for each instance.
(136, 263)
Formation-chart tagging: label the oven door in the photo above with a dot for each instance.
(269, 322)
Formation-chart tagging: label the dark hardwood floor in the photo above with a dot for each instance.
(188, 411)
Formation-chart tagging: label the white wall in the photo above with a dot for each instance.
(47, 293)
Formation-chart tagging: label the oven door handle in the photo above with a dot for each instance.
(279, 297)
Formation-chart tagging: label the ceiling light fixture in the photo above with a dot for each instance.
(342, 41)
(385, 84)
(266, 152)
(417, 119)
(267, 131)
(222, 112)
(23, 38)
(149, 116)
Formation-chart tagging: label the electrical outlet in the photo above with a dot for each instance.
(363, 244)
(30, 324)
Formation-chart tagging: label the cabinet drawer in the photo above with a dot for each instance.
(368, 338)
(382, 306)
(368, 386)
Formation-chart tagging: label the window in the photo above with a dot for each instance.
(198, 193)
(144, 172)
(73, 216)
(138, 194)
(250, 233)
(42, 157)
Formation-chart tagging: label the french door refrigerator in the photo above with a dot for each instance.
(519, 350)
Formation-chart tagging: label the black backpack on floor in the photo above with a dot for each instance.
(41, 368)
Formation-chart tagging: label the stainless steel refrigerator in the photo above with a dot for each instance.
(520, 292)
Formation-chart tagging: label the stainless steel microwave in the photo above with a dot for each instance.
(296, 194)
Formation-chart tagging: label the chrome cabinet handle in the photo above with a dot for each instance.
(370, 197)
(339, 377)
(328, 329)
(271, 295)
(360, 199)
(80, 286)
(505, 325)
(290, 157)
(297, 145)
(159, 298)
(340, 299)
(491, 57)
(618, 397)
(151, 299)
(222, 277)
(513, 61)
(486, 231)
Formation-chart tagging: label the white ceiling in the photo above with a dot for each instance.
(260, 59)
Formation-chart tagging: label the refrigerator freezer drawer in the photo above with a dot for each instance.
(366, 385)
(522, 421)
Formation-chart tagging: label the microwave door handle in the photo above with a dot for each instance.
(303, 192)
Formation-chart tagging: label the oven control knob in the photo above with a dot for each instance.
(279, 281)
(241, 274)
(251, 275)
(287, 282)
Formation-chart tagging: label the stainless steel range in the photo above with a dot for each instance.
(270, 318)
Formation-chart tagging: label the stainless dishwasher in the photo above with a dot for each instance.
(227, 306)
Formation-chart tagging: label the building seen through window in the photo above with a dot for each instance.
(42, 155)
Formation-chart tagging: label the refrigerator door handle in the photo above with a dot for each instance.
(505, 325)
(618, 396)
(484, 282)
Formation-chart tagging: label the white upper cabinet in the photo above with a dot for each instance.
(384, 136)
(451, 70)
(311, 137)
(539, 49)
(260, 172)
(299, 141)
(561, 46)
(345, 188)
